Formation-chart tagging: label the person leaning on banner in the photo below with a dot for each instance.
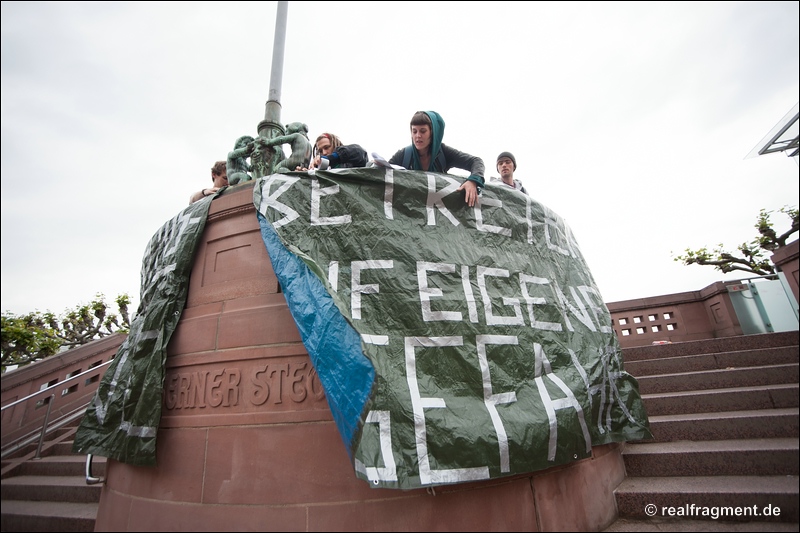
(219, 177)
(427, 152)
(329, 152)
(506, 165)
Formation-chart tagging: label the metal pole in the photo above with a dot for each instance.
(273, 107)
(50, 401)
(90, 479)
(264, 163)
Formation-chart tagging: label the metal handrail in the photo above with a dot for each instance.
(744, 280)
(28, 438)
(90, 479)
(44, 425)
(55, 385)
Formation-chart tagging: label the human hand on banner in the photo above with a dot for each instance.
(470, 189)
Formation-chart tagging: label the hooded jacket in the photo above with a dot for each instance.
(452, 157)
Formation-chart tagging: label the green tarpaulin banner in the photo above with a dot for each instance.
(122, 420)
(454, 343)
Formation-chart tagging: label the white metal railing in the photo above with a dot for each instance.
(48, 394)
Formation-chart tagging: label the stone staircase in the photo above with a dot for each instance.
(49, 493)
(724, 416)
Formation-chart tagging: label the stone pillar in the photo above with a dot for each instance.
(247, 441)
(787, 259)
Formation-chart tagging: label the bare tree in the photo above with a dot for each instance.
(751, 255)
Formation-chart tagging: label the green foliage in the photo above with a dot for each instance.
(751, 257)
(33, 336)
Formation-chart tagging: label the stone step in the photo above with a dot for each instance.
(50, 488)
(712, 361)
(28, 449)
(724, 416)
(62, 465)
(698, 497)
(736, 457)
(755, 424)
(720, 378)
(51, 446)
(722, 344)
(26, 515)
(62, 448)
(728, 399)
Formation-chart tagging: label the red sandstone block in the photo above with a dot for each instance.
(266, 325)
(253, 302)
(155, 515)
(242, 388)
(231, 261)
(180, 455)
(206, 310)
(502, 507)
(578, 497)
(194, 335)
(113, 511)
(283, 465)
(239, 197)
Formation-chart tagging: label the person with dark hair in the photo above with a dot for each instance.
(427, 152)
(219, 177)
(330, 152)
(506, 165)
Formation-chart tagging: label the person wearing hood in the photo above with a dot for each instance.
(428, 153)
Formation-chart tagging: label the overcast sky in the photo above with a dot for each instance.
(631, 120)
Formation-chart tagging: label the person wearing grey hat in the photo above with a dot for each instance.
(506, 165)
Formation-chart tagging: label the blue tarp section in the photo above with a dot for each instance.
(333, 345)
